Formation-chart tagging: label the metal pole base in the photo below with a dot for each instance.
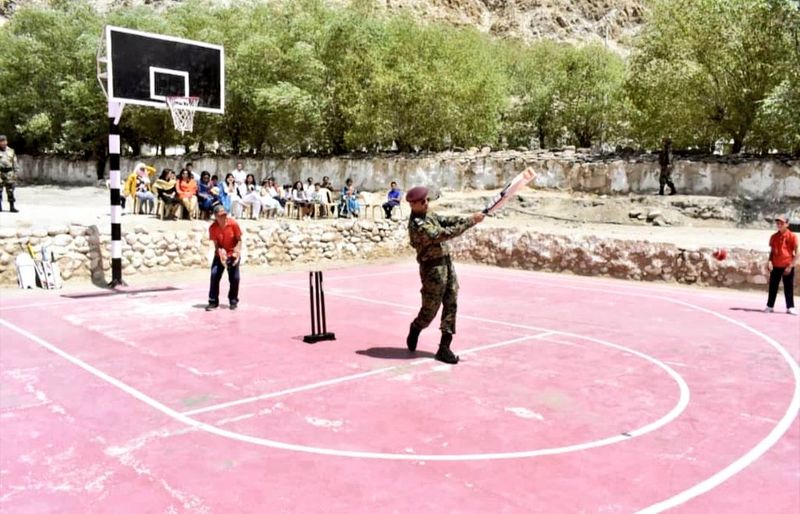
(117, 283)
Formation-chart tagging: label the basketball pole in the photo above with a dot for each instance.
(114, 114)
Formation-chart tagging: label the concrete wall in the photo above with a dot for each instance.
(719, 176)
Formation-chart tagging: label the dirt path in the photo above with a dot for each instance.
(692, 221)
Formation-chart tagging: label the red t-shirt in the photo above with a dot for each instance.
(783, 248)
(225, 237)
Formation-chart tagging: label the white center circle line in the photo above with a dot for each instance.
(683, 401)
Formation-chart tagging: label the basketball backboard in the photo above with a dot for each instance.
(144, 69)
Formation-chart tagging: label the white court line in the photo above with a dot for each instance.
(739, 464)
(702, 487)
(261, 441)
(347, 378)
(416, 308)
(198, 289)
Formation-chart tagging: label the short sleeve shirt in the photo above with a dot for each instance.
(225, 237)
(783, 248)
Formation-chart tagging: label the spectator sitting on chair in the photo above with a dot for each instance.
(300, 199)
(247, 194)
(268, 203)
(204, 199)
(146, 197)
(276, 192)
(309, 185)
(239, 174)
(318, 196)
(165, 189)
(216, 198)
(348, 205)
(214, 181)
(227, 192)
(326, 198)
(326, 184)
(393, 200)
(129, 187)
(187, 192)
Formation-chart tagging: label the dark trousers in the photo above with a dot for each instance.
(665, 179)
(775, 277)
(217, 270)
(388, 206)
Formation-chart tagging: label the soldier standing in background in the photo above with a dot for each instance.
(665, 161)
(8, 173)
(428, 233)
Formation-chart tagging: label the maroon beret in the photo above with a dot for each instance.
(416, 194)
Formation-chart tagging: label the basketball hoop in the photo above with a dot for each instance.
(183, 109)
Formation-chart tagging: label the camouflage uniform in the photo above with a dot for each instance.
(428, 233)
(8, 174)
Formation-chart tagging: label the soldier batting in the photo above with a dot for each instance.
(8, 173)
(428, 233)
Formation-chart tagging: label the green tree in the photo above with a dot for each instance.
(533, 76)
(437, 86)
(47, 94)
(589, 92)
(702, 68)
(352, 49)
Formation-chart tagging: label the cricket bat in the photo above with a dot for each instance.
(510, 190)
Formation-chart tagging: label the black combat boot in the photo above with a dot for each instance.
(413, 338)
(12, 209)
(444, 354)
(661, 190)
(672, 190)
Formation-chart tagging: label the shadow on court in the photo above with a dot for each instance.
(396, 353)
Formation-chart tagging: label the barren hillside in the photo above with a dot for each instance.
(567, 20)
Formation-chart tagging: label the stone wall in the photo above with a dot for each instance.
(765, 179)
(83, 252)
(630, 260)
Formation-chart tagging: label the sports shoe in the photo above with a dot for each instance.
(211, 306)
(234, 306)
(792, 311)
(769, 309)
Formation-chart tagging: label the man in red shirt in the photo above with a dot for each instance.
(226, 235)
(783, 257)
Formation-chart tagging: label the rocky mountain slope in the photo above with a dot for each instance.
(613, 21)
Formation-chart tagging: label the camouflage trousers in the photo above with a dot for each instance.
(7, 181)
(439, 288)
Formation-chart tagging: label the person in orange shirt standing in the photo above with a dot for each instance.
(226, 235)
(783, 257)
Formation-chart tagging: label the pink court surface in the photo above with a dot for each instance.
(573, 395)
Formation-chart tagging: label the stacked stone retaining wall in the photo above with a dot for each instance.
(82, 252)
